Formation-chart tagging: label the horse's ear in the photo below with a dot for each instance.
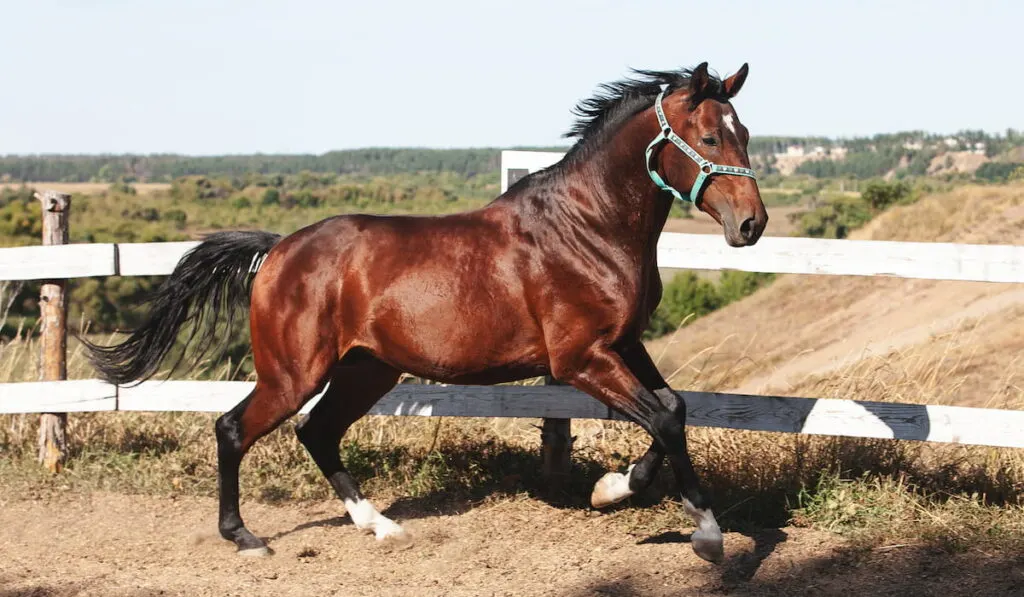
(732, 84)
(699, 80)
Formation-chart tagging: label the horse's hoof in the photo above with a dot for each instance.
(708, 546)
(610, 489)
(261, 551)
(391, 533)
(400, 540)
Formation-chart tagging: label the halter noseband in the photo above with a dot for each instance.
(705, 167)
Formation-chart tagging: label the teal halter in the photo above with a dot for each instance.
(706, 168)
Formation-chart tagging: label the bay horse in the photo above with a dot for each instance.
(557, 276)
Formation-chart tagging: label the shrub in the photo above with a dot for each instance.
(835, 219)
(881, 195)
(841, 215)
(146, 214)
(689, 295)
(997, 171)
(121, 188)
(686, 295)
(734, 284)
(271, 197)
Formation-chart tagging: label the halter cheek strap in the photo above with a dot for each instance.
(706, 167)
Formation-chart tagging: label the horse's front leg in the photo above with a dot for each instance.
(662, 413)
(615, 487)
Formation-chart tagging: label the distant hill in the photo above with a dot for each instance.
(906, 153)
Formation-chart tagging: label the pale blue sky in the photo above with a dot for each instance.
(218, 76)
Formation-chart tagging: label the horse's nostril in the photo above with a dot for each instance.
(747, 228)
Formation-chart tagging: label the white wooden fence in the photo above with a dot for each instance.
(941, 261)
(849, 418)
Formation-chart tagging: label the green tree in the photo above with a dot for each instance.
(880, 195)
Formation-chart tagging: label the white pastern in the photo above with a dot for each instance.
(611, 488)
(707, 540)
(366, 518)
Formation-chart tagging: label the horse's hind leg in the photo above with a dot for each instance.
(356, 385)
(237, 430)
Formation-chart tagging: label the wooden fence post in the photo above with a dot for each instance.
(53, 338)
(555, 447)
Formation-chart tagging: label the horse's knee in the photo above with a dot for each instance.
(228, 430)
(668, 431)
(671, 401)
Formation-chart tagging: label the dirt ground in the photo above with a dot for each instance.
(111, 544)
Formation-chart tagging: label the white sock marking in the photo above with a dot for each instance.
(707, 526)
(612, 488)
(729, 124)
(366, 517)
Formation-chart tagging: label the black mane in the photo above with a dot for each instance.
(599, 116)
(620, 100)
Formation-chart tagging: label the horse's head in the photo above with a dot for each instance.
(703, 117)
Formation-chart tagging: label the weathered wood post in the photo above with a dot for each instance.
(555, 447)
(53, 334)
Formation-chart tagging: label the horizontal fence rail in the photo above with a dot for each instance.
(813, 416)
(785, 255)
(676, 250)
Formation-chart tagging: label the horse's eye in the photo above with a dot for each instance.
(710, 141)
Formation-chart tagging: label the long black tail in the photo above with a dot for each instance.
(213, 278)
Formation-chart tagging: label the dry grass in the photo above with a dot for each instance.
(981, 214)
(19, 357)
(802, 326)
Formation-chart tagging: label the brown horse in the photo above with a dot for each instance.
(556, 276)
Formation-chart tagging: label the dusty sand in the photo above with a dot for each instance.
(112, 544)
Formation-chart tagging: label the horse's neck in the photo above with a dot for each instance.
(616, 192)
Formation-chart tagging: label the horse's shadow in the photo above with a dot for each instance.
(331, 522)
(518, 475)
(515, 472)
(510, 472)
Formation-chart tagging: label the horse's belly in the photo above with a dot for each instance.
(463, 346)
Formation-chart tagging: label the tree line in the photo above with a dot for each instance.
(867, 157)
(167, 167)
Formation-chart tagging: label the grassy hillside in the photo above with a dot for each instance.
(801, 330)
